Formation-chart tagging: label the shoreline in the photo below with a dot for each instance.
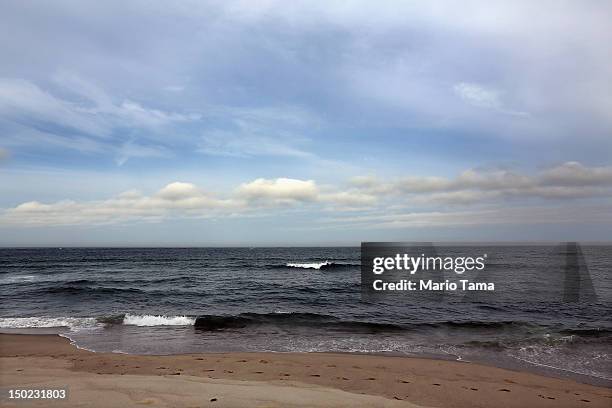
(324, 379)
(518, 366)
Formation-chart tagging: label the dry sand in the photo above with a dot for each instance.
(273, 380)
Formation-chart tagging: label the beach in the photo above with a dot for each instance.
(273, 379)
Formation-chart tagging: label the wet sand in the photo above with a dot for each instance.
(273, 380)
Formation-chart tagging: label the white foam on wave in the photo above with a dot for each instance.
(73, 323)
(570, 370)
(74, 343)
(8, 280)
(159, 320)
(312, 265)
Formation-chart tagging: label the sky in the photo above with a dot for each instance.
(222, 123)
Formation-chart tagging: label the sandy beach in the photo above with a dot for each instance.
(273, 380)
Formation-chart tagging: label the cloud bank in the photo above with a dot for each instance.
(380, 200)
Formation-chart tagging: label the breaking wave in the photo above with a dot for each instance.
(157, 320)
(321, 265)
(48, 322)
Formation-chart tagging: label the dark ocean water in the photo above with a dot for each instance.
(180, 300)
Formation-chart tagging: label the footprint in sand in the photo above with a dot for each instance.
(397, 398)
(583, 400)
(371, 379)
(474, 389)
(404, 381)
(314, 375)
(286, 375)
(504, 390)
(436, 384)
(228, 371)
(199, 358)
(258, 372)
(210, 369)
(241, 361)
(331, 365)
(345, 379)
(263, 361)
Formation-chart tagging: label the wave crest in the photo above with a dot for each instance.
(321, 265)
(157, 320)
(47, 322)
(312, 265)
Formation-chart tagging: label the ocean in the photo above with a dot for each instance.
(187, 300)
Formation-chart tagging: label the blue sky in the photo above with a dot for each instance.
(266, 123)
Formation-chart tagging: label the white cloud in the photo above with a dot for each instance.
(478, 95)
(570, 180)
(86, 123)
(239, 144)
(521, 215)
(350, 199)
(181, 199)
(562, 186)
(175, 199)
(266, 131)
(279, 190)
(21, 136)
(574, 173)
(455, 198)
(21, 100)
(95, 100)
(131, 149)
(178, 191)
(483, 97)
(135, 113)
(422, 184)
(492, 180)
